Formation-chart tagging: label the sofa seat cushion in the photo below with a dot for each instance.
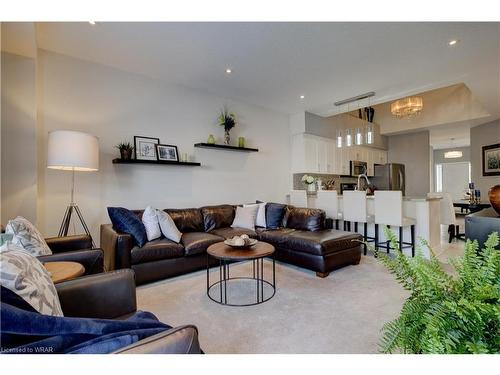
(155, 250)
(231, 232)
(198, 242)
(321, 242)
(276, 237)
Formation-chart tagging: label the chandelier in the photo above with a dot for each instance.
(407, 107)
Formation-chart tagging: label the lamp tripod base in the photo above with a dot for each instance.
(63, 230)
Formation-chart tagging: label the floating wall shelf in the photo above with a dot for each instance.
(159, 162)
(225, 147)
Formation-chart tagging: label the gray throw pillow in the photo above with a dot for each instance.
(245, 217)
(26, 276)
(27, 236)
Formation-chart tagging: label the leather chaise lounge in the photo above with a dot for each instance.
(302, 240)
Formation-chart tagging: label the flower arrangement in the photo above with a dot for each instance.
(308, 180)
(228, 121)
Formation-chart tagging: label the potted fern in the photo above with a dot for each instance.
(445, 314)
(228, 121)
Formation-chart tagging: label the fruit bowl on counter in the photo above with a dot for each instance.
(241, 242)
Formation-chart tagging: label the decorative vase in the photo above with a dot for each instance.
(494, 196)
(126, 154)
(211, 139)
(227, 138)
(241, 141)
(311, 188)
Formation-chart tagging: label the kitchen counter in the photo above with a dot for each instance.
(425, 211)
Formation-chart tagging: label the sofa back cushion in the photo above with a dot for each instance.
(274, 215)
(304, 219)
(215, 217)
(187, 219)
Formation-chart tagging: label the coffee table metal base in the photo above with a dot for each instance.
(257, 277)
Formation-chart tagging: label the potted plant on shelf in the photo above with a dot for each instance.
(310, 182)
(228, 121)
(125, 150)
(455, 313)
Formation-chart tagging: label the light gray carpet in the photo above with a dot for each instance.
(342, 313)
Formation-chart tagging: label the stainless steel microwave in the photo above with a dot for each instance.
(358, 167)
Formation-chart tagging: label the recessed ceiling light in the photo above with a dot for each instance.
(302, 97)
(452, 42)
(228, 71)
(92, 22)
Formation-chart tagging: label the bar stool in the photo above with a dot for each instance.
(298, 198)
(328, 201)
(355, 211)
(389, 212)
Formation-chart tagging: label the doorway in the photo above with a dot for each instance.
(453, 178)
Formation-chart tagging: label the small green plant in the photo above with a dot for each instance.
(124, 146)
(227, 119)
(445, 313)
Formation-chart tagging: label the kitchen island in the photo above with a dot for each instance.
(425, 211)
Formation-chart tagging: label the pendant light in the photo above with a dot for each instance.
(348, 138)
(358, 138)
(339, 138)
(454, 154)
(369, 134)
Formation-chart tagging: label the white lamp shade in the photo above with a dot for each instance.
(72, 150)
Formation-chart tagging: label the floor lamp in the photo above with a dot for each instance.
(73, 151)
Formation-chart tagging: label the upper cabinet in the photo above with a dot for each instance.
(314, 154)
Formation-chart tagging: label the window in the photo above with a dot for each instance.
(439, 178)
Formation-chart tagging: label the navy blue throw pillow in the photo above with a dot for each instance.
(126, 221)
(274, 215)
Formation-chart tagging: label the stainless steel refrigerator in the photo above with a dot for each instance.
(389, 177)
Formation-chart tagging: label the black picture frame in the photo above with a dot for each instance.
(491, 152)
(160, 147)
(138, 147)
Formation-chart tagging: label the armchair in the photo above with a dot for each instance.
(112, 295)
(77, 248)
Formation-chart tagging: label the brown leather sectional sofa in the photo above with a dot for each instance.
(302, 240)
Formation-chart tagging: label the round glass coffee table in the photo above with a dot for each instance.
(227, 255)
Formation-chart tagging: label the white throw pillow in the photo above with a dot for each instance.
(245, 217)
(168, 227)
(150, 221)
(260, 220)
(26, 276)
(27, 236)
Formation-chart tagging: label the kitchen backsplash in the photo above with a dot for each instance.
(299, 185)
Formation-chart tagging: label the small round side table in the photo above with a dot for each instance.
(64, 271)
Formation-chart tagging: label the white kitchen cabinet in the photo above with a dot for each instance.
(330, 156)
(313, 154)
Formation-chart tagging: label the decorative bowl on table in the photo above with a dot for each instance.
(241, 242)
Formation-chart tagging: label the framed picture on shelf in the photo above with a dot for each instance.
(167, 152)
(491, 160)
(145, 148)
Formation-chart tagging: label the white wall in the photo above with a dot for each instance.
(18, 137)
(480, 136)
(115, 106)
